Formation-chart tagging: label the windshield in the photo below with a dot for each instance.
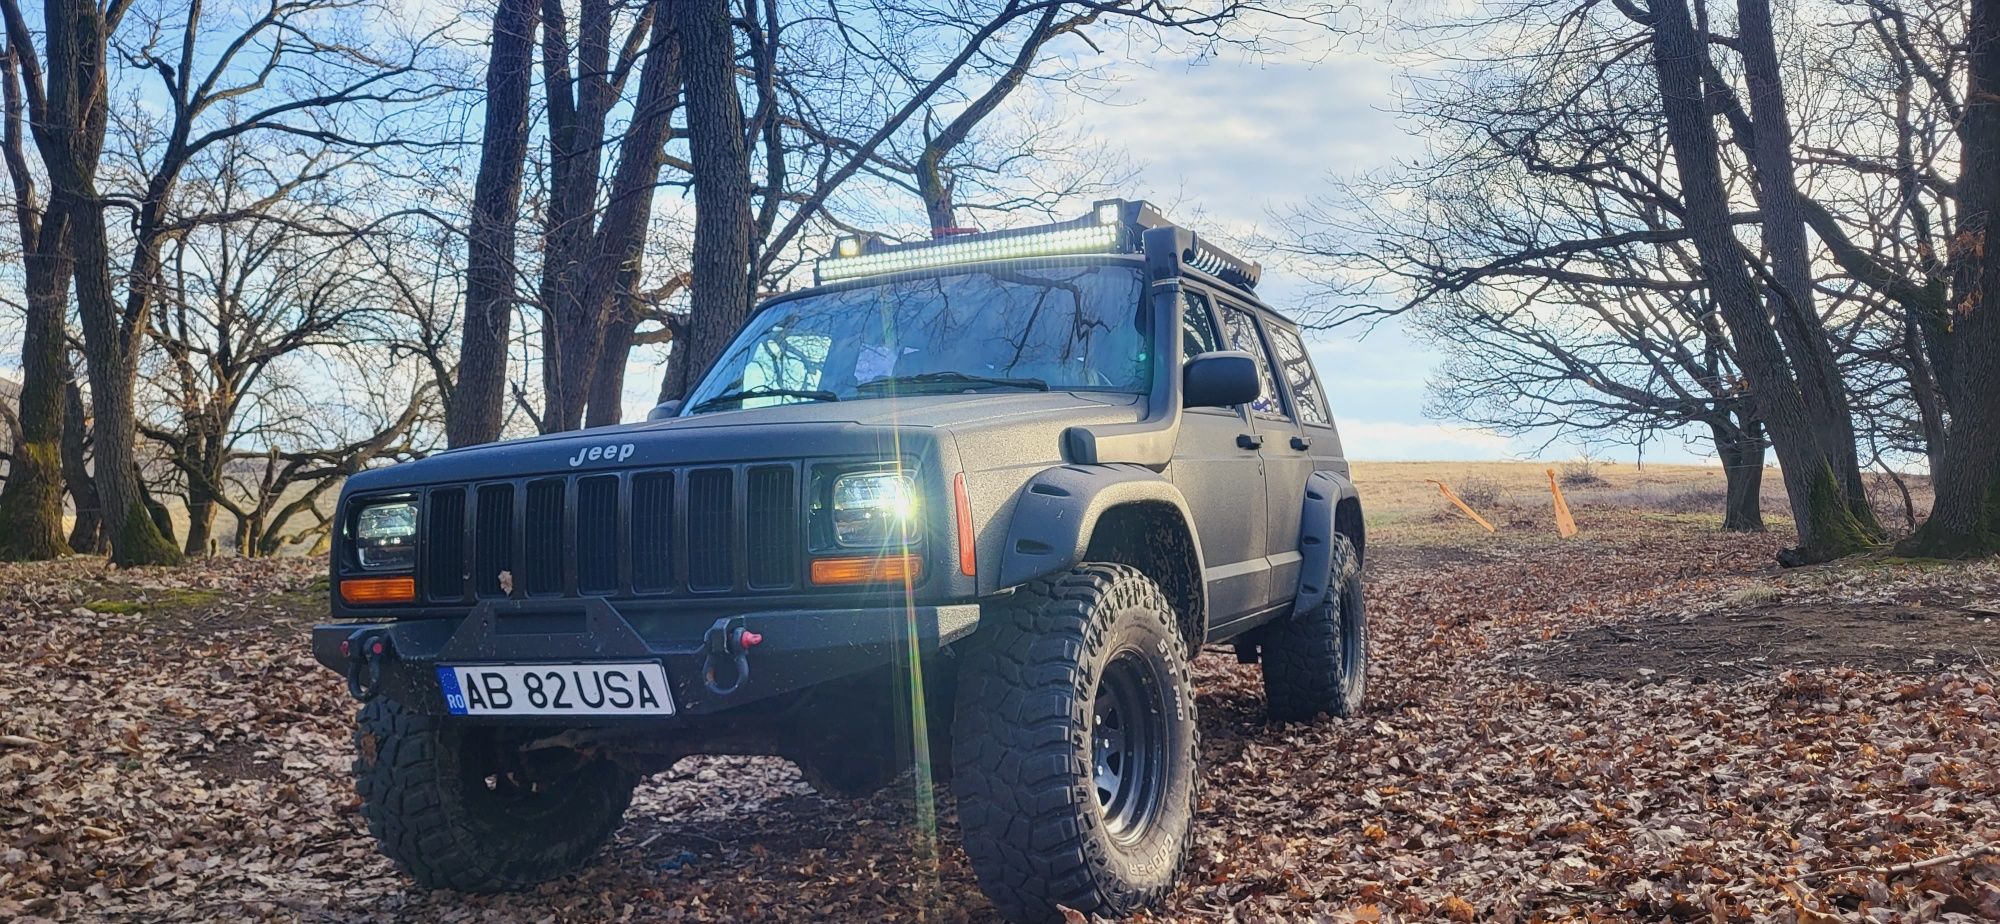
(1060, 328)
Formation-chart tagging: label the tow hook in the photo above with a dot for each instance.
(728, 645)
(366, 650)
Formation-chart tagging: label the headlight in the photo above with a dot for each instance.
(874, 509)
(385, 536)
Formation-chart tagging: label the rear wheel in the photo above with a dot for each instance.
(1317, 662)
(463, 807)
(1074, 747)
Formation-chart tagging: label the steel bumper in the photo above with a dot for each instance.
(707, 662)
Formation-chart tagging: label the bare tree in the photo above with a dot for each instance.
(477, 399)
(1966, 517)
(279, 69)
(1827, 524)
(594, 232)
(243, 299)
(1539, 247)
(31, 501)
(719, 274)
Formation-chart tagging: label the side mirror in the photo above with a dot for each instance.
(1220, 378)
(664, 410)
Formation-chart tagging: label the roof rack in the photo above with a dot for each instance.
(1112, 226)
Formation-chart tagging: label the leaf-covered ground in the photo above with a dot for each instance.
(1611, 728)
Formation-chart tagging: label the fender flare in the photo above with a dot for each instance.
(1057, 511)
(1318, 522)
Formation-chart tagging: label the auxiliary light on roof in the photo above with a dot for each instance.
(1111, 226)
(852, 262)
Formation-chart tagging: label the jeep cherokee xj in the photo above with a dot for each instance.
(973, 503)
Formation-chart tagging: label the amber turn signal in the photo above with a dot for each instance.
(968, 563)
(888, 568)
(362, 591)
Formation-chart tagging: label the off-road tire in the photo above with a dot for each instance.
(1317, 662)
(1025, 746)
(433, 812)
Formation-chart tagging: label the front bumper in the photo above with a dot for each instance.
(798, 649)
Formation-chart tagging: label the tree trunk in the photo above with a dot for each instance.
(1784, 231)
(161, 517)
(577, 122)
(935, 190)
(72, 140)
(720, 267)
(607, 382)
(1965, 518)
(112, 358)
(31, 502)
(201, 523)
(87, 533)
(1827, 526)
(1741, 451)
(603, 261)
(474, 411)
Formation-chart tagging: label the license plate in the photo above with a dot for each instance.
(555, 689)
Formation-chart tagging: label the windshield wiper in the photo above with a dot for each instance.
(951, 378)
(738, 397)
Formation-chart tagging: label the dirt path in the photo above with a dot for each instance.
(1516, 763)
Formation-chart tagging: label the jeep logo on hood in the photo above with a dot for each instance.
(610, 452)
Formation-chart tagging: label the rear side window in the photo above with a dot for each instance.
(1197, 328)
(1296, 367)
(1241, 330)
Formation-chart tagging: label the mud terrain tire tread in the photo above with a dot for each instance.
(1026, 806)
(408, 773)
(1305, 673)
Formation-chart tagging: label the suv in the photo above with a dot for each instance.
(969, 505)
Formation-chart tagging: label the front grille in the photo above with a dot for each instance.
(645, 533)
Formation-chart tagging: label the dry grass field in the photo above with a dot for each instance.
(1648, 722)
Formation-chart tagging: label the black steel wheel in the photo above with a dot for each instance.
(1074, 747)
(1129, 735)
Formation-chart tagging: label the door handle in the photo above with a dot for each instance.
(1249, 441)
(1302, 443)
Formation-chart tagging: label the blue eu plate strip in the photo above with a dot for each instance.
(454, 699)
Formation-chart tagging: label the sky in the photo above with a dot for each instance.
(1237, 142)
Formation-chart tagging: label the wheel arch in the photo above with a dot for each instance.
(1127, 514)
(1332, 507)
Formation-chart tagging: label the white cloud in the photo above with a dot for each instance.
(1396, 440)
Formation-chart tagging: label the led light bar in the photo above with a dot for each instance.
(1112, 226)
(1092, 238)
(1216, 262)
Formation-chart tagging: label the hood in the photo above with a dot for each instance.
(1029, 424)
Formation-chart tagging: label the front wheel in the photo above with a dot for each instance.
(1317, 661)
(1074, 747)
(463, 807)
